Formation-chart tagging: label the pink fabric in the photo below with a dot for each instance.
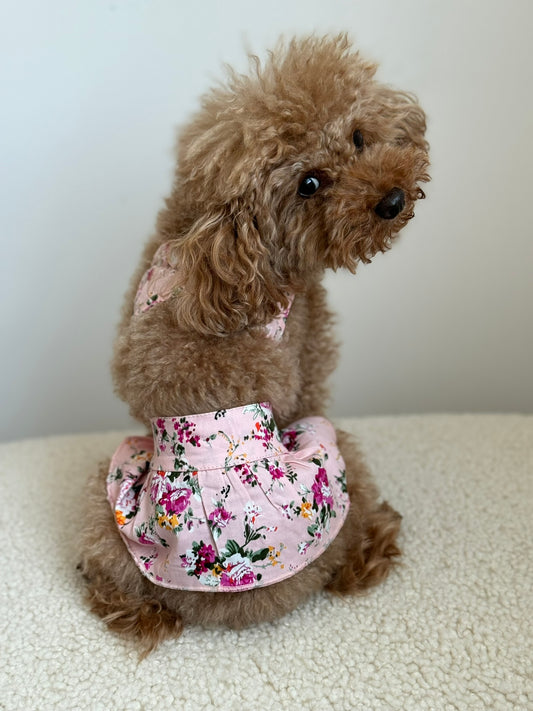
(224, 501)
(159, 283)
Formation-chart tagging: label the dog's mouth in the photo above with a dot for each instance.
(366, 227)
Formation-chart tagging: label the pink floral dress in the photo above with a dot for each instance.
(225, 501)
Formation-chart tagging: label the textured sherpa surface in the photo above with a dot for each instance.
(450, 628)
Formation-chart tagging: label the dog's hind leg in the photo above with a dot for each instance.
(117, 591)
(370, 531)
(147, 621)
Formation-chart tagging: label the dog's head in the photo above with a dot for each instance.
(306, 163)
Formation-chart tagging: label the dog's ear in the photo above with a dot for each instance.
(226, 277)
(400, 115)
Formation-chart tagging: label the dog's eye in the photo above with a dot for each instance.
(358, 140)
(308, 186)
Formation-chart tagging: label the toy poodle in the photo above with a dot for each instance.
(244, 500)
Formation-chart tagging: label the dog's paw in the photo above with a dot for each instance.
(146, 621)
(370, 560)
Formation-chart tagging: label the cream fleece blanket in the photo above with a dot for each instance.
(450, 629)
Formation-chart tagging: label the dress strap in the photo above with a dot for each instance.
(159, 283)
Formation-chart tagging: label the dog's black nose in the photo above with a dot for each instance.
(391, 205)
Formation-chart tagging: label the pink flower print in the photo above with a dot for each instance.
(188, 560)
(286, 508)
(160, 424)
(321, 490)
(220, 517)
(262, 433)
(184, 433)
(145, 539)
(302, 547)
(148, 561)
(237, 571)
(205, 555)
(174, 501)
(275, 472)
(246, 475)
(290, 439)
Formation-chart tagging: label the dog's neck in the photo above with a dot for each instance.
(160, 282)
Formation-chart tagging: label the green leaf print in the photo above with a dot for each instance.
(341, 480)
(115, 475)
(232, 547)
(259, 555)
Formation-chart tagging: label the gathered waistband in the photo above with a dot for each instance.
(216, 440)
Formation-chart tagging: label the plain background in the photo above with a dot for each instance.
(92, 93)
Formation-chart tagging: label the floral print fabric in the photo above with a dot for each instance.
(225, 501)
(158, 283)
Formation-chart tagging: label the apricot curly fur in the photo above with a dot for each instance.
(243, 238)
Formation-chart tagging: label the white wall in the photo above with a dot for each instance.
(91, 94)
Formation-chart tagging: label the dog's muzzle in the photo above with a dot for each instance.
(391, 205)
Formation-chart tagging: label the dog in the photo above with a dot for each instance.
(225, 347)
